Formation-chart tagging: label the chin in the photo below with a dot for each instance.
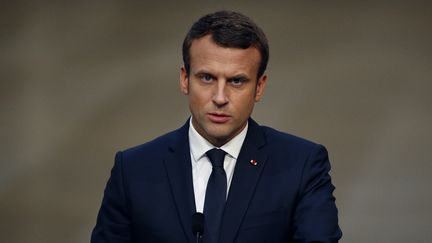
(218, 135)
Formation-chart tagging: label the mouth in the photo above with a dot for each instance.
(218, 117)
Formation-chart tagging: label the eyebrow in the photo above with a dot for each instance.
(237, 76)
(201, 72)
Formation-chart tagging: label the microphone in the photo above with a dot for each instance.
(198, 225)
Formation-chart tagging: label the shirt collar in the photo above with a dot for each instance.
(199, 145)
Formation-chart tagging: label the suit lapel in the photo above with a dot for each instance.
(179, 170)
(243, 184)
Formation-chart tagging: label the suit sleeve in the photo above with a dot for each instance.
(316, 216)
(113, 221)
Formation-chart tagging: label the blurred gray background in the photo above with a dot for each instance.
(80, 81)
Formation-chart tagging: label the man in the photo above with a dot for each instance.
(253, 183)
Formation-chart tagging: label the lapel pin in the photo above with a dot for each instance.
(253, 162)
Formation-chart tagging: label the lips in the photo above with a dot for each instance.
(218, 117)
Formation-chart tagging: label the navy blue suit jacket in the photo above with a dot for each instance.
(285, 197)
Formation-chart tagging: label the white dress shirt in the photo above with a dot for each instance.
(201, 165)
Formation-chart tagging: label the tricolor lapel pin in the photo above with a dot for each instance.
(253, 162)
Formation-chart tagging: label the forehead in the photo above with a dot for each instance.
(206, 54)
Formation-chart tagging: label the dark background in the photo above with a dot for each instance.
(80, 81)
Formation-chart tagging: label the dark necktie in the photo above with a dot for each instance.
(215, 194)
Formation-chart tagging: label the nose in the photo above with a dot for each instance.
(220, 96)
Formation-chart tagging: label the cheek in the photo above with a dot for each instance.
(244, 102)
(197, 100)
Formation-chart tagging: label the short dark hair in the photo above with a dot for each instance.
(228, 29)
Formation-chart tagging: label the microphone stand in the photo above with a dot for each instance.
(198, 226)
(198, 237)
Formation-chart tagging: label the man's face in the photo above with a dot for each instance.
(222, 87)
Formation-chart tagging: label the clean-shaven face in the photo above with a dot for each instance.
(222, 88)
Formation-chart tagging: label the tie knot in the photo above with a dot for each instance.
(216, 157)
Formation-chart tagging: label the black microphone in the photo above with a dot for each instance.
(198, 225)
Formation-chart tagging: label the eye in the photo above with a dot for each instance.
(237, 81)
(206, 78)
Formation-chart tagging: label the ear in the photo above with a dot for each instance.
(184, 81)
(261, 83)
